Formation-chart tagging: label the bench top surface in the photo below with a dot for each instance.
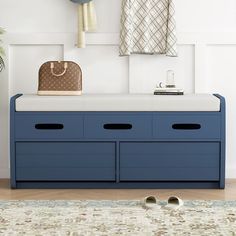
(119, 102)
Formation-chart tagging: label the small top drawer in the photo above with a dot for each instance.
(48, 126)
(187, 126)
(118, 126)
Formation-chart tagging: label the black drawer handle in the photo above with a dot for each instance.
(117, 126)
(49, 126)
(186, 126)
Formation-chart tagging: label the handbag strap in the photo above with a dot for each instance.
(61, 74)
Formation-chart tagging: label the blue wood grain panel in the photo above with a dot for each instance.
(173, 126)
(114, 185)
(223, 138)
(169, 161)
(158, 149)
(25, 126)
(65, 161)
(12, 141)
(141, 126)
(65, 174)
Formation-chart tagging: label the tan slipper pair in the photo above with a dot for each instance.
(173, 202)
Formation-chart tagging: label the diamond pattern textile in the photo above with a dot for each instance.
(148, 27)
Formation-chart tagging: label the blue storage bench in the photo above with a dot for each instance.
(118, 141)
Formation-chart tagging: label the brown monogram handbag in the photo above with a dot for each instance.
(60, 78)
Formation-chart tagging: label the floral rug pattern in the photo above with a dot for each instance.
(101, 218)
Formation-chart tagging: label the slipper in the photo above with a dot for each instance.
(174, 202)
(150, 202)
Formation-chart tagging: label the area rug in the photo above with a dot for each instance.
(95, 218)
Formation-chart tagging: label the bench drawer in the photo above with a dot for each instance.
(173, 161)
(48, 126)
(61, 161)
(189, 126)
(118, 126)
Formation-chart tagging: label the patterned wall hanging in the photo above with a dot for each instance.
(148, 27)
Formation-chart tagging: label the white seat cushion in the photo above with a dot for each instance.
(119, 102)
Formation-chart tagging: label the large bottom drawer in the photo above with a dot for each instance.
(169, 161)
(61, 161)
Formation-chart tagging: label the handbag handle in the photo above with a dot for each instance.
(61, 74)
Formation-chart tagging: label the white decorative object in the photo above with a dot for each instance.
(170, 79)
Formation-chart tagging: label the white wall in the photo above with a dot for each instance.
(41, 30)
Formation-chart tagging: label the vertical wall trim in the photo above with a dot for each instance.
(200, 68)
(129, 76)
(5, 126)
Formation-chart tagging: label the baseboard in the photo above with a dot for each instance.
(231, 173)
(5, 173)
